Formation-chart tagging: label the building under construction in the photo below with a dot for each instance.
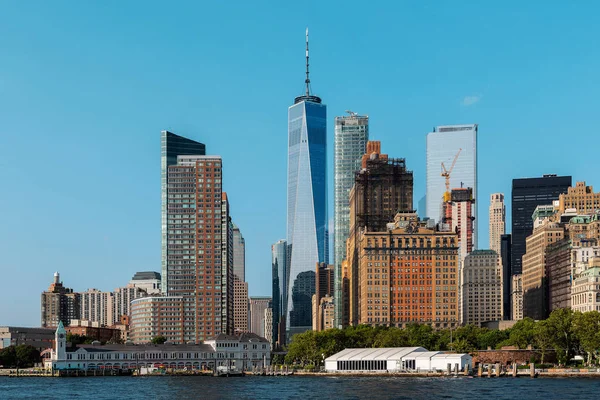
(383, 187)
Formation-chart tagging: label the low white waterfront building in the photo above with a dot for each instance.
(244, 352)
(396, 359)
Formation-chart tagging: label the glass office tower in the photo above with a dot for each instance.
(306, 205)
(442, 146)
(527, 194)
(280, 282)
(171, 146)
(350, 143)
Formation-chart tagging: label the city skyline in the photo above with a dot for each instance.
(85, 214)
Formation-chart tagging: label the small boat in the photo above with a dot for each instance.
(228, 371)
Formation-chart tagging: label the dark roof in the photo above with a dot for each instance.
(146, 275)
(146, 347)
(242, 337)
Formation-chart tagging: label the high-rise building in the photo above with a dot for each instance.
(323, 313)
(535, 277)
(383, 187)
(199, 246)
(404, 271)
(239, 254)
(171, 146)
(350, 143)
(258, 305)
(227, 276)
(481, 288)
(443, 144)
(280, 272)
(307, 234)
(505, 248)
(324, 287)
(580, 197)
(268, 329)
(59, 304)
(149, 281)
(560, 274)
(240, 306)
(497, 224)
(324, 283)
(97, 306)
(459, 218)
(158, 316)
(527, 194)
(516, 294)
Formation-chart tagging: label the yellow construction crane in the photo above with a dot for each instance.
(446, 174)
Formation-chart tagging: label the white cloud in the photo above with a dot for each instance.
(470, 100)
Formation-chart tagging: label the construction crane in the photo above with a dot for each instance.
(446, 174)
(352, 113)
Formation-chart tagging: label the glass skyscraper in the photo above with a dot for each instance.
(171, 146)
(527, 194)
(350, 143)
(279, 263)
(239, 254)
(442, 146)
(306, 203)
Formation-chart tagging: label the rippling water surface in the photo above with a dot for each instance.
(297, 387)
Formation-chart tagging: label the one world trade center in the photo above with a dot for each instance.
(307, 234)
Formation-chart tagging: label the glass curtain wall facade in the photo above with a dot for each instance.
(350, 143)
(239, 254)
(442, 146)
(171, 145)
(306, 205)
(279, 263)
(527, 194)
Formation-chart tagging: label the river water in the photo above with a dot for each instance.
(298, 387)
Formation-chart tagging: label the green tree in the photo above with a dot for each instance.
(543, 337)
(159, 339)
(27, 355)
(8, 357)
(564, 341)
(586, 327)
(491, 338)
(76, 339)
(521, 334)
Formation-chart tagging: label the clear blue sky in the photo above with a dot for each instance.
(86, 88)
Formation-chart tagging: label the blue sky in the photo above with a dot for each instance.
(86, 88)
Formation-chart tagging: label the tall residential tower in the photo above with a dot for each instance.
(350, 143)
(306, 202)
(171, 146)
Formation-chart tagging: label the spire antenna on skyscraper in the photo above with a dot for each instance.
(307, 81)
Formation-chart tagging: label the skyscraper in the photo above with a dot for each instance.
(443, 144)
(199, 246)
(497, 224)
(280, 272)
(383, 187)
(59, 304)
(527, 194)
(506, 259)
(458, 217)
(350, 143)
(171, 146)
(239, 254)
(258, 305)
(481, 288)
(306, 200)
(240, 287)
